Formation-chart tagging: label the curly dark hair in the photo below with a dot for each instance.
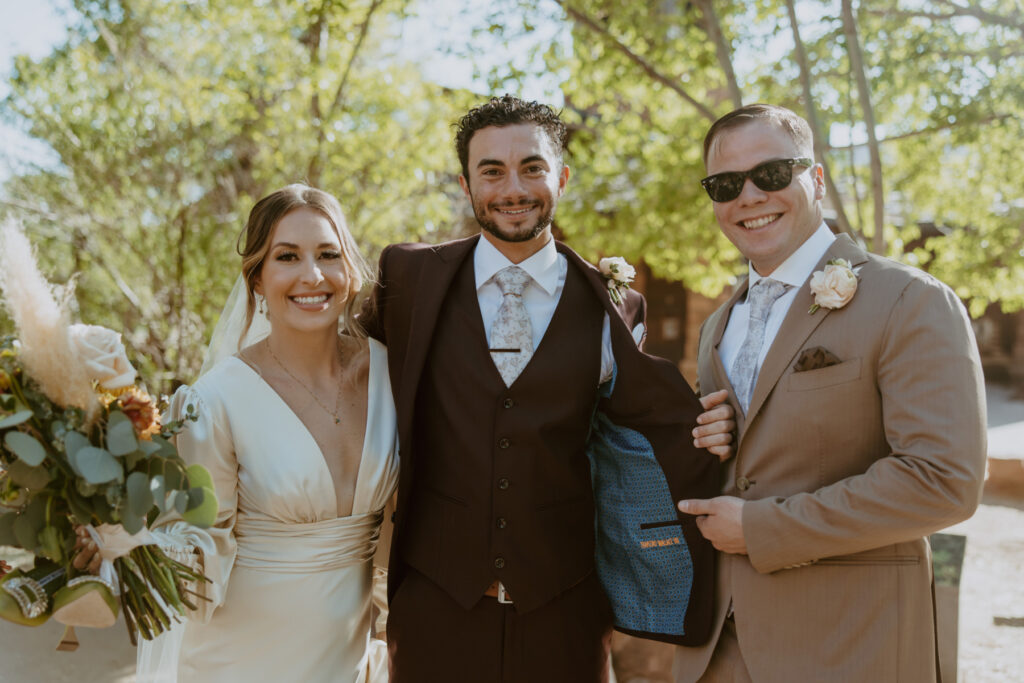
(508, 110)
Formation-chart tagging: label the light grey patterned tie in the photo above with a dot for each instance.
(744, 369)
(512, 333)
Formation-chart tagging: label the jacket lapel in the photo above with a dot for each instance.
(798, 326)
(435, 278)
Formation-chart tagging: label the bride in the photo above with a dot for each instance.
(298, 431)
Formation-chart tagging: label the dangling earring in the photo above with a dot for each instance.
(259, 304)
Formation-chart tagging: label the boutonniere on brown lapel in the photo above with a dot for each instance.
(833, 287)
(618, 275)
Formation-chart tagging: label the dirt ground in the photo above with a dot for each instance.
(991, 624)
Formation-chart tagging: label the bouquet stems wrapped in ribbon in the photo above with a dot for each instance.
(81, 445)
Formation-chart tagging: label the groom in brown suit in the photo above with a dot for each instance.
(509, 360)
(861, 430)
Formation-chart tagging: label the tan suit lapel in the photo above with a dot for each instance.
(798, 326)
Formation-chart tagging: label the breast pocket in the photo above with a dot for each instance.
(809, 380)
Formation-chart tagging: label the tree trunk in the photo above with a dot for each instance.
(812, 119)
(722, 49)
(864, 95)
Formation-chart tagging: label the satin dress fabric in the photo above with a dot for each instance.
(291, 581)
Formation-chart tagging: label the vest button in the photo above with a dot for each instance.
(499, 563)
(503, 484)
(743, 483)
(508, 403)
(504, 443)
(502, 523)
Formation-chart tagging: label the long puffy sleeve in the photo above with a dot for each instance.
(206, 441)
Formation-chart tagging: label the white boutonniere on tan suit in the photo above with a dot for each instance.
(834, 286)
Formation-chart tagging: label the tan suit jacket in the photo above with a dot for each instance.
(845, 470)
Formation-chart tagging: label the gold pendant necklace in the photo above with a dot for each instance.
(337, 400)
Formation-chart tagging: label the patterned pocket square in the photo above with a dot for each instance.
(815, 359)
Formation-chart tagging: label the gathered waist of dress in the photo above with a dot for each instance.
(286, 547)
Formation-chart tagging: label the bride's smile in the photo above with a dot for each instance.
(304, 276)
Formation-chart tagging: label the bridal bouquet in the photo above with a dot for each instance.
(82, 445)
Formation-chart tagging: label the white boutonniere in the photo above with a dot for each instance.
(618, 274)
(833, 287)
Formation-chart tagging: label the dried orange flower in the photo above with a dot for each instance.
(139, 407)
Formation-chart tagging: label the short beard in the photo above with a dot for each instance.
(490, 226)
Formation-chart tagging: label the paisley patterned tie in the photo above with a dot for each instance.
(744, 369)
(512, 333)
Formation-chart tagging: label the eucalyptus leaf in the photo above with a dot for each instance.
(32, 478)
(133, 458)
(140, 496)
(148, 448)
(159, 491)
(7, 536)
(174, 477)
(29, 523)
(202, 508)
(80, 507)
(166, 448)
(97, 465)
(132, 524)
(26, 447)
(16, 419)
(50, 544)
(195, 498)
(120, 434)
(102, 510)
(181, 501)
(74, 442)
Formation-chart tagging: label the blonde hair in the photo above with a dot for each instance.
(265, 216)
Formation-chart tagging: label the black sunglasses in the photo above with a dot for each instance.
(769, 177)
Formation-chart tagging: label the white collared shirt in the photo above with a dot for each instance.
(794, 271)
(548, 269)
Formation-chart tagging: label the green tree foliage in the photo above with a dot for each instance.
(643, 81)
(170, 119)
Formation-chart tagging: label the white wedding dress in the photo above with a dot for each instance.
(290, 598)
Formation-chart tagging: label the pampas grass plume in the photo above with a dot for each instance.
(40, 314)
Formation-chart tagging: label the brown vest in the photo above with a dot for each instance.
(502, 486)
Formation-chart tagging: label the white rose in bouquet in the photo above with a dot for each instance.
(101, 351)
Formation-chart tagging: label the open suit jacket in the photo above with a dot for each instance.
(845, 470)
(656, 568)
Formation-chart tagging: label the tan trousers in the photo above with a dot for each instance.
(726, 665)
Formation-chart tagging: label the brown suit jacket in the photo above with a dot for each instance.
(650, 398)
(845, 470)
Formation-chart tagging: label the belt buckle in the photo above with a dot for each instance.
(503, 595)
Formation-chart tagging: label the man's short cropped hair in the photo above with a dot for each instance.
(786, 119)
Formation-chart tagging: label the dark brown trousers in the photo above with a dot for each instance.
(431, 639)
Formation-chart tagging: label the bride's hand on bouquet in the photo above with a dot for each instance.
(4, 567)
(715, 425)
(87, 557)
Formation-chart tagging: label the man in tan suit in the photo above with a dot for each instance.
(861, 430)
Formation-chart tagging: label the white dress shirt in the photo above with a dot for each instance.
(548, 269)
(794, 271)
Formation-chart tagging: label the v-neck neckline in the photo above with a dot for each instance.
(323, 459)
